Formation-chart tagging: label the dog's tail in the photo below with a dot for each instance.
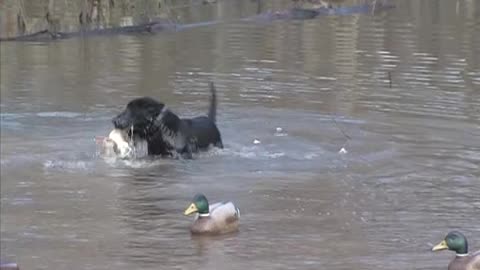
(212, 111)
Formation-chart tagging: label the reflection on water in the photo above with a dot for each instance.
(403, 85)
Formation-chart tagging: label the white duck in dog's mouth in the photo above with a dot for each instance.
(117, 144)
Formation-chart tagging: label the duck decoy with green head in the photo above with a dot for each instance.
(218, 218)
(463, 260)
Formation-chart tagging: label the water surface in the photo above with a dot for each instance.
(403, 84)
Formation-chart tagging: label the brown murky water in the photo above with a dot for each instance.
(411, 173)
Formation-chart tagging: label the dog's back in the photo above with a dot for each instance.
(205, 132)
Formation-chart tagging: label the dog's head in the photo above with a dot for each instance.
(139, 116)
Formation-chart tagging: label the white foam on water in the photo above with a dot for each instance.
(144, 163)
(67, 165)
(59, 114)
(280, 134)
(310, 156)
(253, 152)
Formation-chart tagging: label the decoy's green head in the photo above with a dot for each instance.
(454, 241)
(199, 205)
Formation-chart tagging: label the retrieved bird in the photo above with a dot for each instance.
(115, 144)
(218, 218)
(457, 242)
(119, 138)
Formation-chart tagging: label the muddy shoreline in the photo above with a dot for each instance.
(160, 25)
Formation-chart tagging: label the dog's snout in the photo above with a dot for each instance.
(119, 122)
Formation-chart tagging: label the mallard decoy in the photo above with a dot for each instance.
(457, 242)
(218, 218)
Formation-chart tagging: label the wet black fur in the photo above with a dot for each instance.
(166, 133)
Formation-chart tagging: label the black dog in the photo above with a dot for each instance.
(167, 134)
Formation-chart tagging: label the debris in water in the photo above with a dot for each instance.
(279, 132)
